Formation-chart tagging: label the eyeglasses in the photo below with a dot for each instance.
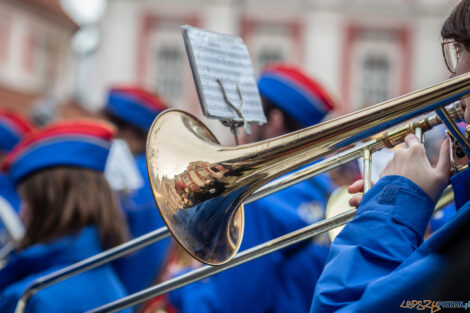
(451, 50)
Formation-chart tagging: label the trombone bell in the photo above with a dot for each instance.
(199, 185)
(190, 183)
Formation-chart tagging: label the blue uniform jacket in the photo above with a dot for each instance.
(378, 260)
(141, 269)
(279, 282)
(77, 294)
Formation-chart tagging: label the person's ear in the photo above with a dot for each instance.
(275, 125)
(276, 118)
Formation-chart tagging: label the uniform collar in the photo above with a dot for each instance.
(41, 257)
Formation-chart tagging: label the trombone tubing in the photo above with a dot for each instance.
(387, 139)
(245, 256)
(248, 255)
(242, 257)
(161, 233)
(243, 169)
(90, 263)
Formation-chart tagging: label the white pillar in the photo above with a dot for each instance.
(117, 54)
(222, 16)
(428, 66)
(323, 48)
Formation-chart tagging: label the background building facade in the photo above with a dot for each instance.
(36, 66)
(364, 52)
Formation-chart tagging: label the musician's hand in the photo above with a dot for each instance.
(356, 189)
(412, 163)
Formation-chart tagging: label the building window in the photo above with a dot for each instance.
(375, 83)
(4, 40)
(30, 53)
(267, 56)
(377, 71)
(41, 58)
(168, 72)
(272, 42)
(36, 55)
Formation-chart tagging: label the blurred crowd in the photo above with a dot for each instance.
(68, 200)
(73, 188)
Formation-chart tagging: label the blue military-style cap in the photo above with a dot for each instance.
(13, 127)
(134, 105)
(295, 93)
(78, 143)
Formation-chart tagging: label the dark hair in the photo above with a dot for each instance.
(135, 137)
(120, 124)
(457, 25)
(290, 123)
(62, 200)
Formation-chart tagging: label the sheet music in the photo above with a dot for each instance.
(213, 57)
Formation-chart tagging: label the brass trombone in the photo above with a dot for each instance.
(200, 191)
(245, 256)
(257, 162)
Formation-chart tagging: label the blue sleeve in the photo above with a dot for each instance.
(388, 227)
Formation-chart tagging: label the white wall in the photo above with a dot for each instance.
(428, 65)
(323, 48)
(324, 23)
(116, 58)
(22, 22)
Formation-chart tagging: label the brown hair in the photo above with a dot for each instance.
(138, 139)
(62, 200)
(457, 25)
(290, 123)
